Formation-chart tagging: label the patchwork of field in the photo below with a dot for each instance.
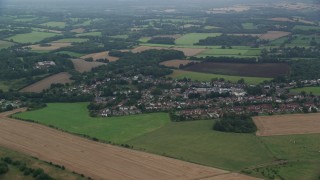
(287, 124)
(197, 76)
(5, 44)
(176, 63)
(192, 38)
(52, 47)
(268, 70)
(101, 55)
(32, 37)
(273, 35)
(186, 51)
(45, 83)
(82, 66)
(96, 160)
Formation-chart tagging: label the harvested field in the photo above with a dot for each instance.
(78, 30)
(82, 66)
(273, 35)
(97, 160)
(101, 55)
(46, 83)
(176, 63)
(287, 124)
(270, 70)
(54, 46)
(186, 51)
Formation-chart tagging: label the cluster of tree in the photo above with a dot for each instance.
(229, 40)
(235, 123)
(162, 40)
(37, 174)
(305, 69)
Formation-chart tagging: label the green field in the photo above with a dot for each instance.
(120, 36)
(32, 37)
(89, 34)
(306, 28)
(248, 26)
(210, 27)
(313, 90)
(75, 118)
(197, 76)
(15, 173)
(231, 52)
(5, 44)
(144, 39)
(55, 24)
(72, 54)
(191, 38)
(72, 40)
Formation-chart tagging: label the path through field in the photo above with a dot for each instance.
(97, 160)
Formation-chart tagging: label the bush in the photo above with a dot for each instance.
(3, 168)
(235, 123)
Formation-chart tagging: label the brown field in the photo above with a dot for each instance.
(54, 46)
(287, 124)
(98, 160)
(82, 66)
(186, 51)
(269, 70)
(101, 55)
(45, 83)
(78, 30)
(176, 63)
(273, 35)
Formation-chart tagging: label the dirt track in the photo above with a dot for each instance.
(97, 160)
(287, 124)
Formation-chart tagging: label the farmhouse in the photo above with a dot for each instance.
(44, 64)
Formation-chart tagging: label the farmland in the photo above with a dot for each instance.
(71, 40)
(197, 76)
(287, 124)
(45, 83)
(55, 24)
(72, 54)
(89, 34)
(241, 69)
(32, 37)
(313, 90)
(176, 63)
(192, 38)
(101, 55)
(52, 47)
(5, 44)
(75, 118)
(234, 52)
(186, 51)
(273, 35)
(81, 65)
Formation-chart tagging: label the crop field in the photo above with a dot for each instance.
(55, 24)
(43, 84)
(89, 34)
(268, 70)
(287, 124)
(186, 51)
(78, 30)
(74, 117)
(32, 37)
(72, 54)
(101, 55)
(82, 66)
(248, 26)
(303, 41)
(5, 44)
(192, 38)
(71, 40)
(306, 28)
(230, 52)
(176, 63)
(52, 47)
(313, 90)
(273, 35)
(98, 160)
(197, 76)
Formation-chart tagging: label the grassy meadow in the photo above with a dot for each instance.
(5, 44)
(32, 37)
(55, 24)
(75, 118)
(313, 90)
(180, 74)
(191, 38)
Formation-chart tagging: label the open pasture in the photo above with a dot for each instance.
(61, 78)
(82, 66)
(78, 30)
(32, 37)
(176, 63)
(89, 34)
(306, 28)
(234, 52)
(268, 70)
(71, 40)
(5, 44)
(313, 90)
(192, 38)
(55, 24)
(101, 55)
(52, 47)
(198, 76)
(287, 124)
(273, 35)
